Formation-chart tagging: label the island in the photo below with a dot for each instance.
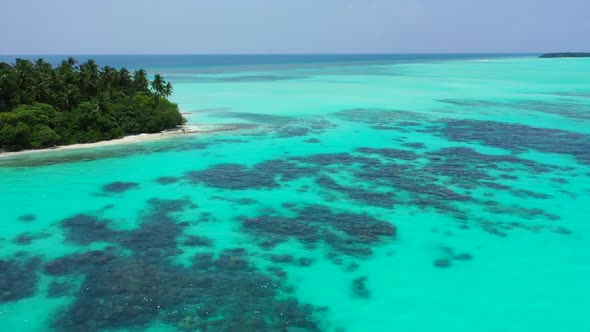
(42, 106)
(566, 55)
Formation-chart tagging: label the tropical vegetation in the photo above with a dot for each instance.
(43, 106)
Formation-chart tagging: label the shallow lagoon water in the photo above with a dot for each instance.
(378, 195)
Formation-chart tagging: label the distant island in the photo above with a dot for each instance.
(42, 106)
(566, 55)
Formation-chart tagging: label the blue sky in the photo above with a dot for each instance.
(292, 26)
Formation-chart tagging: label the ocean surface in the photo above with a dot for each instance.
(357, 193)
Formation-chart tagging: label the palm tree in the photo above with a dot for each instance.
(71, 61)
(68, 97)
(43, 67)
(9, 97)
(140, 81)
(168, 90)
(41, 89)
(108, 78)
(24, 79)
(66, 73)
(159, 85)
(124, 79)
(89, 78)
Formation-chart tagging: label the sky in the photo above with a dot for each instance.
(292, 26)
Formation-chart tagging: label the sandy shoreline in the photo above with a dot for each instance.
(132, 139)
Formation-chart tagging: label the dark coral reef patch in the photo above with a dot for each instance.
(442, 262)
(384, 117)
(449, 255)
(441, 180)
(231, 176)
(239, 177)
(164, 180)
(28, 238)
(59, 289)
(18, 278)
(156, 238)
(119, 187)
(85, 229)
(227, 293)
(27, 217)
(133, 282)
(359, 288)
(567, 109)
(198, 241)
(520, 138)
(345, 232)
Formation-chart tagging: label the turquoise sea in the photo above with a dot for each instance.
(357, 193)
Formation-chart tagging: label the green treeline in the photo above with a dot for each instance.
(42, 106)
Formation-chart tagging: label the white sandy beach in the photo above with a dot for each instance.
(132, 139)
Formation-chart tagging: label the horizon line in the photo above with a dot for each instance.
(359, 53)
